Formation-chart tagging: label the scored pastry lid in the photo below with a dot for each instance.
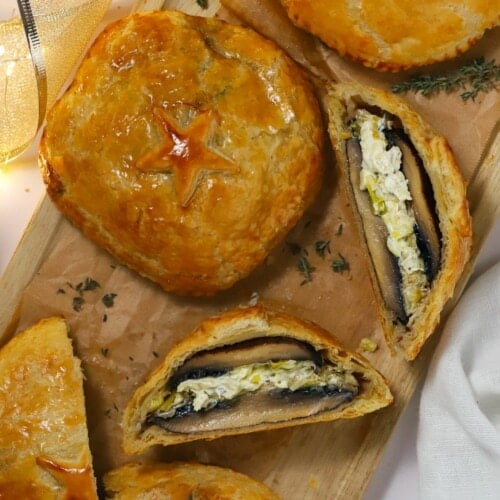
(396, 35)
(237, 328)
(44, 447)
(181, 480)
(186, 147)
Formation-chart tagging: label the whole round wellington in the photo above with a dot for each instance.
(393, 35)
(187, 147)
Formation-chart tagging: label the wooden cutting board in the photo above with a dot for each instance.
(327, 461)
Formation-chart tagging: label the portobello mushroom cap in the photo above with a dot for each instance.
(442, 222)
(251, 336)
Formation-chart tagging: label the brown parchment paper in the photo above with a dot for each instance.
(120, 344)
(466, 125)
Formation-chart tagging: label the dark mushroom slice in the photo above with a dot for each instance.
(267, 404)
(426, 229)
(423, 204)
(375, 233)
(221, 359)
(255, 409)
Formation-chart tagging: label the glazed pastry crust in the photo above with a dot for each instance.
(44, 449)
(449, 190)
(233, 327)
(181, 480)
(187, 147)
(397, 34)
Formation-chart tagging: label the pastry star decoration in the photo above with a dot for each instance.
(185, 153)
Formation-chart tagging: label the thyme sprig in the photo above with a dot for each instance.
(474, 77)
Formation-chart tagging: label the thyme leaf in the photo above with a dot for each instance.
(474, 77)
(77, 303)
(88, 285)
(202, 3)
(109, 299)
(322, 247)
(295, 248)
(305, 269)
(340, 265)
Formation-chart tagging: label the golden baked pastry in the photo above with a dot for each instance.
(44, 448)
(409, 198)
(396, 34)
(187, 147)
(182, 480)
(247, 370)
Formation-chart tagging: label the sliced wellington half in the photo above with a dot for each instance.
(44, 442)
(249, 370)
(409, 199)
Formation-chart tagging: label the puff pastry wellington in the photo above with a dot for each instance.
(247, 370)
(44, 449)
(409, 199)
(182, 480)
(394, 35)
(187, 147)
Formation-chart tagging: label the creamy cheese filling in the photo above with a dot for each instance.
(387, 186)
(207, 392)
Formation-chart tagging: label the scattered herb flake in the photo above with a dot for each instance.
(131, 358)
(87, 285)
(202, 3)
(104, 351)
(305, 269)
(78, 302)
(155, 354)
(340, 229)
(104, 318)
(321, 247)
(60, 291)
(109, 299)
(295, 248)
(340, 265)
(90, 284)
(107, 412)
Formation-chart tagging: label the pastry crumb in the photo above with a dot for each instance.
(368, 345)
(313, 482)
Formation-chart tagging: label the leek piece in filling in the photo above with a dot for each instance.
(205, 393)
(382, 177)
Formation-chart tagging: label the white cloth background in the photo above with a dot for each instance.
(458, 443)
